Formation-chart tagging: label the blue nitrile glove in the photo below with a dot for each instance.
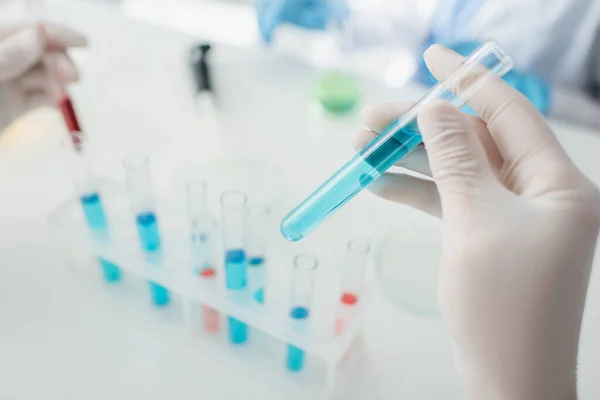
(309, 14)
(533, 87)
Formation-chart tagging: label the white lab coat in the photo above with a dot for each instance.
(558, 40)
(551, 38)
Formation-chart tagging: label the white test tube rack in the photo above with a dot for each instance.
(327, 371)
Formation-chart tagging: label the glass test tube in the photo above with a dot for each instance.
(57, 89)
(233, 205)
(89, 196)
(303, 280)
(256, 225)
(353, 283)
(141, 198)
(395, 142)
(202, 231)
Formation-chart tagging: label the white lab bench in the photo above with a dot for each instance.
(63, 339)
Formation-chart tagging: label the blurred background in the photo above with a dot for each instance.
(263, 97)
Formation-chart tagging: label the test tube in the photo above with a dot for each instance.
(353, 282)
(91, 201)
(141, 198)
(233, 205)
(256, 224)
(303, 280)
(58, 91)
(202, 231)
(395, 142)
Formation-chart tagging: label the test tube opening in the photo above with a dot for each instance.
(196, 192)
(135, 161)
(234, 199)
(358, 246)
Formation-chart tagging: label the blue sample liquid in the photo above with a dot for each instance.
(238, 331)
(256, 261)
(147, 226)
(96, 220)
(159, 294)
(235, 269)
(235, 279)
(93, 210)
(110, 271)
(295, 356)
(376, 158)
(259, 296)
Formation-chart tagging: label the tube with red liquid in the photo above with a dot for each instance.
(353, 282)
(63, 101)
(202, 231)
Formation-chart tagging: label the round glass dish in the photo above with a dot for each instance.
(407, 265)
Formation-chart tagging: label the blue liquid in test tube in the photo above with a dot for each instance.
(295, 356)
(235, 279)
(256, 261)
(301, 298)
(235, 269)
(233, 209)
(257, 218)
(462, 79)
(254, 265)
(357, 174)
(147, 226)
(141, 197)
(96, 219)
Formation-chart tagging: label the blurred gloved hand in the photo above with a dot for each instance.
(309, 14)
(520, 230)
(24, 80)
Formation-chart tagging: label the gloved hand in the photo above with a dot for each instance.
(520, 229)
(533, 87)
(24, 80)
(309, 14)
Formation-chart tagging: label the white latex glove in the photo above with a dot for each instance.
(24, 79)
(520, 229)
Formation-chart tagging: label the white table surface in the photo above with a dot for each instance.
(62, 339)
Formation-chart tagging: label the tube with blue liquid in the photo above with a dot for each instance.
(256, 225)
(396, 141)
(303, 282)
(78, 149)
(141, 198)
(233, 206)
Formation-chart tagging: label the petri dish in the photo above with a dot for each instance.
(406, 268)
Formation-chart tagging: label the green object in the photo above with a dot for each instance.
(337, 92)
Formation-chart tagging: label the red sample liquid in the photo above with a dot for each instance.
(347, 299)
(210, 316)
(68, 112)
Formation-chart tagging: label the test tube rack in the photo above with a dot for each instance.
(328, 367)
